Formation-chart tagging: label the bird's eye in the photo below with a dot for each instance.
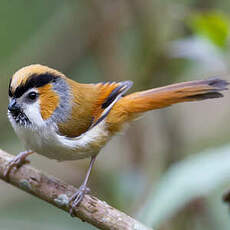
(32, 96)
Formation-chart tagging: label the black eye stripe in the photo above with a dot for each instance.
(10, 92)
(34, 80)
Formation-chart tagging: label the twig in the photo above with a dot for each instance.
(57, 193)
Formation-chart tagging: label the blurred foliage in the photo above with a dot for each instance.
(189, 180)
(148, 168)
(213, 26)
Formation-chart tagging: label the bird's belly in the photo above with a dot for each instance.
(49, 144)
(64, 154)
(52, 149)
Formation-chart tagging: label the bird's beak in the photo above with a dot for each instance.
(13, 106)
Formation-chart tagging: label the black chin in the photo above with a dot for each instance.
(15, 113)
(20, 118)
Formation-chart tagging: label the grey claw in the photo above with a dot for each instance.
(77, 198)
(16, 162)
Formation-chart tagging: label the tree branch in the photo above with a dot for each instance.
(57, 193)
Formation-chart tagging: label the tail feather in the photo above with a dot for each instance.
(130, 106)
(176, 93)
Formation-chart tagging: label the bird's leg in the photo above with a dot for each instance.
(18, 161)
(77, 197)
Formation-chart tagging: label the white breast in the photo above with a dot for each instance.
(45, 141)
(42, 136)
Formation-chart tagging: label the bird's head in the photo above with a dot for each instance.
(37, 95)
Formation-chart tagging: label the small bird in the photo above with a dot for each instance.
(65, 120)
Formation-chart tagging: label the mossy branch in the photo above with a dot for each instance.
(57, 193)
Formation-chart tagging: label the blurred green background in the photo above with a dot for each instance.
(170, 168)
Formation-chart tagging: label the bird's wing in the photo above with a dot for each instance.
(109, 94)
(91, 105)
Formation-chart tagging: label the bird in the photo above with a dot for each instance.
(65, 120)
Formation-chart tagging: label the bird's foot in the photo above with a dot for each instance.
(18, 161)
(77, 197)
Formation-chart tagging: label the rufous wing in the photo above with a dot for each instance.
(91, 104)
(110, 93)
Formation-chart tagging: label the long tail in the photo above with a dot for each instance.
(131, 105)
